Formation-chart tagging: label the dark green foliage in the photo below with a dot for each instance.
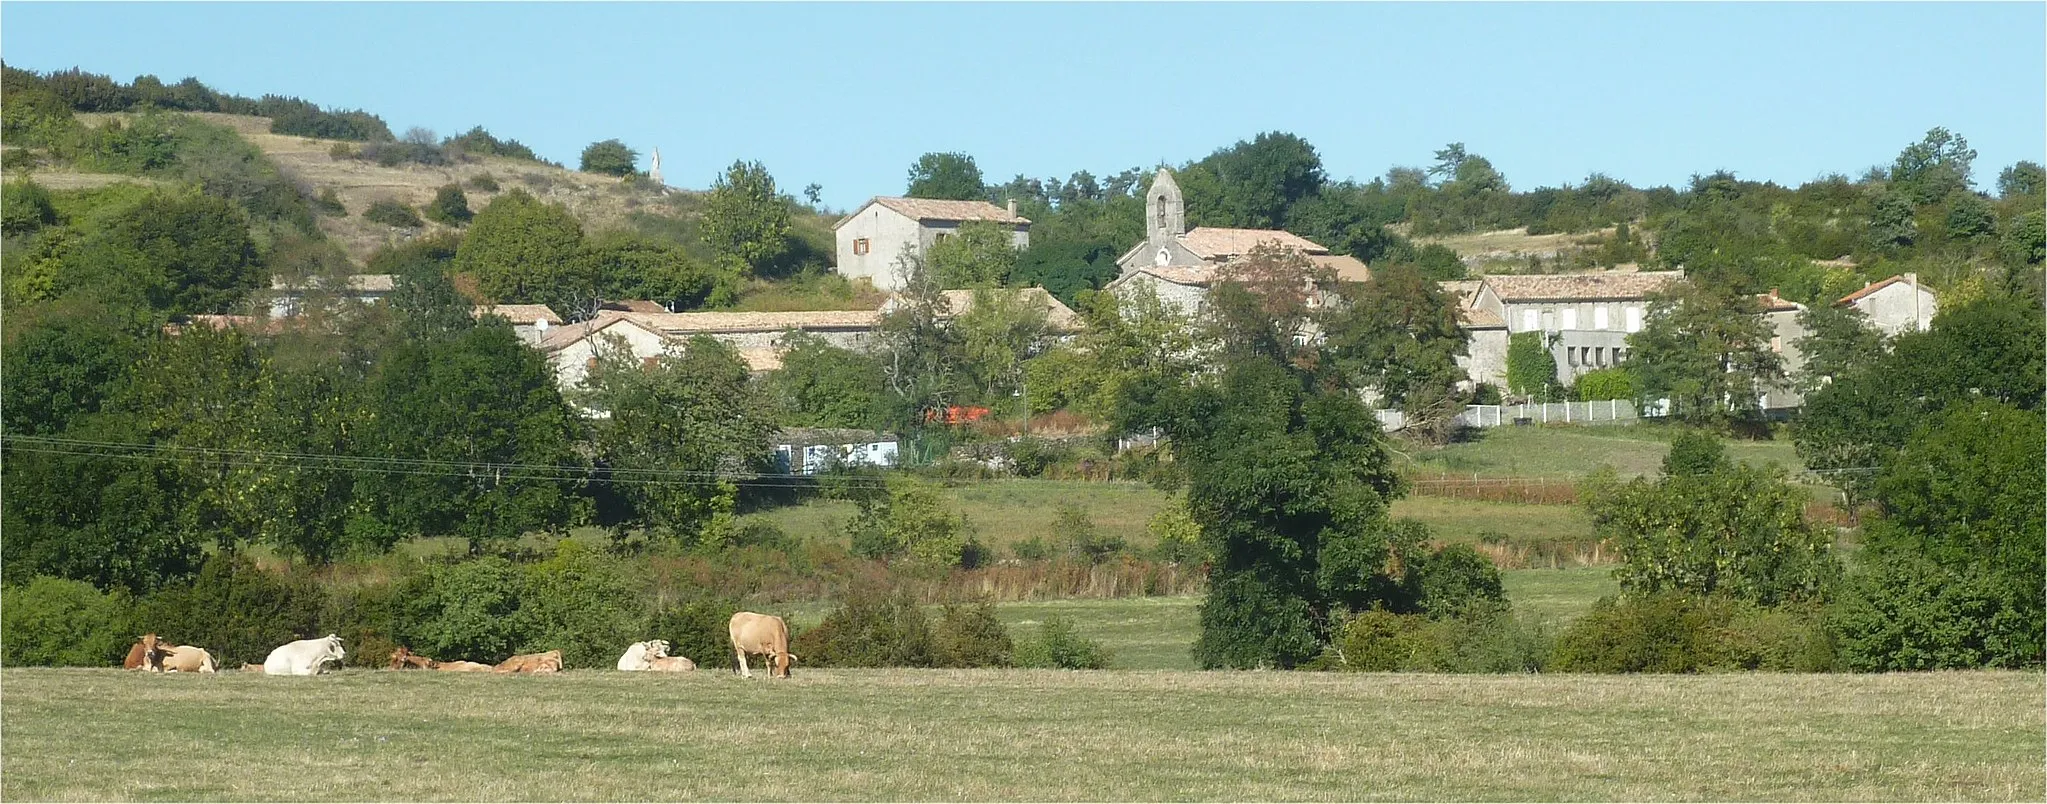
(698, 630)
(450, 206)
(1059, 647)
(1399, 334)
(821, 385)
(1456, 579)
(1955, 566)
(63, 361)
(50, 621)
(422, 293)
(1676, 633)
(1085, 541)
(1065, 269)
(1708, 527)
(1704, 349)
(1260, 179)
(947, 176)
(467, 612)
(610, 157)
(392, 213)
(1838, 342)
(25, 208)
(1531, 368)
(618, 265)
(745, 220)
(235, 610)
(372, 618)
(177, 253)
(523, 251)
(869, 629)
(485, 182)
(478, 142)
(969, 635)
(297, 117)
(1604, 384)
(581, 603)
(1486, 638)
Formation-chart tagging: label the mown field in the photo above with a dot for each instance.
(1020, 735)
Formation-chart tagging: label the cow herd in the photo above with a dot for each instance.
(751, 633)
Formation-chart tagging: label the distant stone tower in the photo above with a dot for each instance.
(654, 172)
(1165, 213)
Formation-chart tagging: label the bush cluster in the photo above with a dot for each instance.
(1671, 632)
(1058, 646)
(393, 213)
(877, 629)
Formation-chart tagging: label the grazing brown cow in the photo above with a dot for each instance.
(548, 662)
(763, 634)
(462, 667)
(403, 658)
(187, 659)
(146, 654)
(671, 664)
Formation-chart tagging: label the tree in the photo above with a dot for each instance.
(821, 385)
(813, 193)
(1711, 527)
(2022, 180)
(1934, 167)
(996, 334)
(422, 293)
(919, 353)
(611, 158)
(1448, 160)
(180, 253)
(952, 176)
(1531, 368)
(745, 222)
(523, 251)
(1128, 342)
(450, 206)
(683, 421)
(1707, 351)
(1262, 178)
(1838, 341)
(910, 521)
(624, 266)
(977, 254)
(1398, 334)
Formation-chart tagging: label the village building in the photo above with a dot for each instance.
(1179, 266)
(287, 298)
(1059, 319)
(1895, 305)
(1586, 318)
(529, 321)
(808, 451)
(572, 350)
(1785, 331)
(874, 237)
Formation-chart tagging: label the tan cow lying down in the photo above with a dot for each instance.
(188, 659)
(671, 664)
(403, 658)
(146, 654)
(763, 634)
(548, 662)
(462, 667)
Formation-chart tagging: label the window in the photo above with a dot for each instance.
(1599, 357)
(861, 246)
(1777, 344)
(1571, 356)
(1549, 320)
(941, 236)
(1599, 318)
(1529, 321)
(1634, 319)
(1571, 318)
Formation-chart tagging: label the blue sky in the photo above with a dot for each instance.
(849, 94)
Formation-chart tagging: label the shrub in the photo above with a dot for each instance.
(609, 157)
(51, 621)
(370, 619)
(1082, 537)
(468, 611)
(1379, 641)
(449, 206)
(1032, 549)
(581, 603)
(1531, 368)
(969, 635)
(1676, 633)
(1176, 537)
(1604, 384)
(1057, 646)
(1908, 612)
(870, 629)
(330, 204)
(235, 610)
(341, 150)
(25, 208)
(484, 182)
(392, 213)
(1457, 578)
(698, 629)
(1030, 457)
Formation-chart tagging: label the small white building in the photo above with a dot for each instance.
(1785, 331)
(1895, 305)
(808, 451)
(287, 298)
(872, 238)
(530, 321)
(572, 349)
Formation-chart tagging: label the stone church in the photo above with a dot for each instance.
(1178, 265)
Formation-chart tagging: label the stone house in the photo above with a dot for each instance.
(872, 238)
(572, 350)
(1587, 317)
(529, 321)
(1782, 316)
(1895, 305)
(1179, 265)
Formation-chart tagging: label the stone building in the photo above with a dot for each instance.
(1782, 316)
(529, 321)
(871, 240)
(1588, 317)
(1895, 305)
(1179, 265)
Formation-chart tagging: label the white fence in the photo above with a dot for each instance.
(1609, 412)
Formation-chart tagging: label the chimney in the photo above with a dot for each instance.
(1912, 279)
(1012, 207)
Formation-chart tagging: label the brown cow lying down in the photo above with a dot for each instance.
(548, 662)
(463, 667)
(251, 667)
(671, 664)
(146, 654)
(188, 659)
(404, 657)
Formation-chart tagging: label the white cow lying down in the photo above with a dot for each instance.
(653, 656)
(305, 657)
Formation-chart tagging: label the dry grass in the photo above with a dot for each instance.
(1022, 735)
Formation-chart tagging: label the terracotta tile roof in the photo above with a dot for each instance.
(1476, 318)
(714, 323)
(1059, 318)
(1773, 303)
(1194, 275)
(932, 209)
(518, 313)
(1463, 290)
(1568, 287)
(562, 337)
(1209, 242)
(1870, 289)
(1347, 268)
(762, 358)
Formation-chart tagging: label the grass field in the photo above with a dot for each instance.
(1020, 735)
(1559, 595)
(1577, 451)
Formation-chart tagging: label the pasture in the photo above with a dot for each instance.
(1020, 735)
